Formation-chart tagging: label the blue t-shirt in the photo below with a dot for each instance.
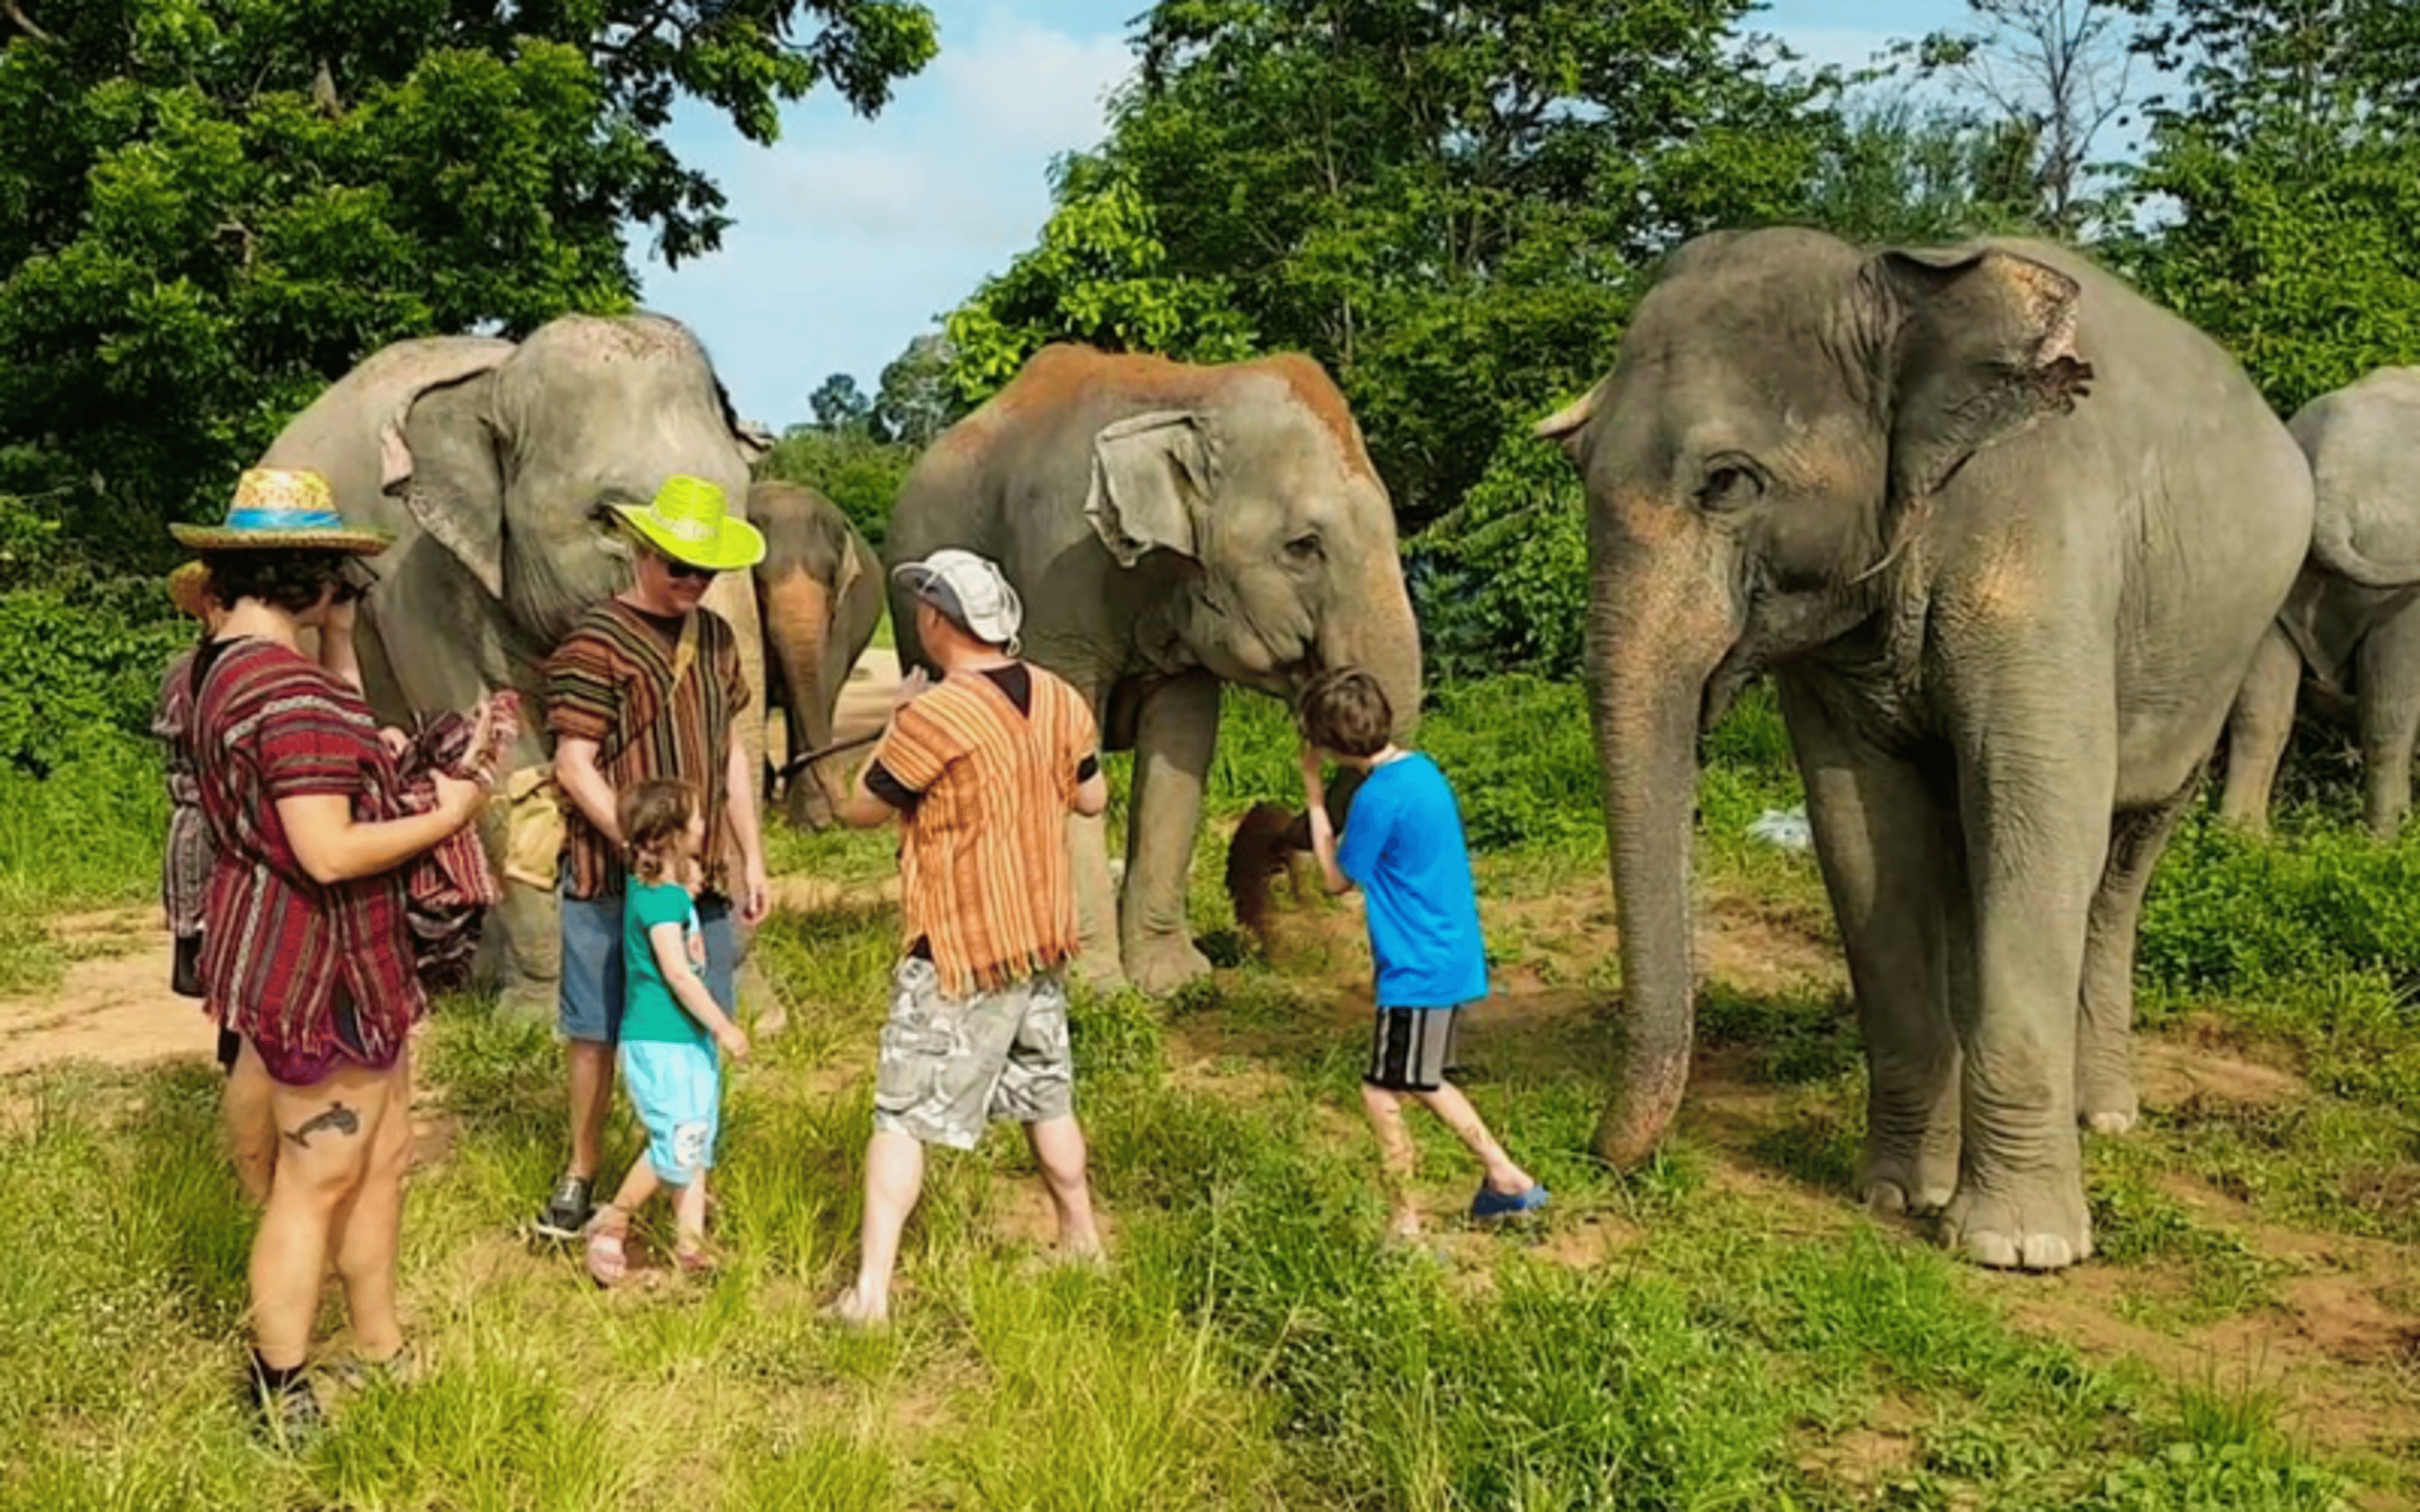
(650, 1012)
(1403, 847)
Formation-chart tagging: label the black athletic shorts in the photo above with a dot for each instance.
(1410, 1048)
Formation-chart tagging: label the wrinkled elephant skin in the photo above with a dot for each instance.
(2351, 629)
(819, 592)
(488, 459)
(2006, 536)
(1170, 529)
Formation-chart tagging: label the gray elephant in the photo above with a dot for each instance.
(2004, 644)
(819, 592)
(1170, 528)
(2352, 623)
(488, 460)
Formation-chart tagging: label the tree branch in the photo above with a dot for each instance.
(638, 33)
(23, 22)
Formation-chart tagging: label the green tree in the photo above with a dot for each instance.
(916, 401)
(849, 466)
(839, 404)
(2283, 183)
(211, 207)
(1101, 275)
(1443, 203)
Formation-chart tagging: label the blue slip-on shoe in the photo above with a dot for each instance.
(1491, 1203)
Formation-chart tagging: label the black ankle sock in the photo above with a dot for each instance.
(271, 1382)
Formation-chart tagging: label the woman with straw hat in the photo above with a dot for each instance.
(306, 955)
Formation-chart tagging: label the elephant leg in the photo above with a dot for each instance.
(2389, 674)
(1887, 849)
(1174, 741)
(2105, 1028)
(2037, 785)
(2257, 729)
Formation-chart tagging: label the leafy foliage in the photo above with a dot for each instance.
(84, 651)
(2292, 162)
(1101, 275)
(852, 469)
(212, 209)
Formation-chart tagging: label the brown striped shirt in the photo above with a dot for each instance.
(984, 874)
(608, 682)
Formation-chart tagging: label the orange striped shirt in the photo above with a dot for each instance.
(984, 872)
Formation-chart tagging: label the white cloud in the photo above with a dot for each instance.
(1022, 87)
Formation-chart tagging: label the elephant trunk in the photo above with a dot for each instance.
(1646, 713)
(1383, 639)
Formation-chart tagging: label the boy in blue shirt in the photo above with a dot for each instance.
(1403, 847)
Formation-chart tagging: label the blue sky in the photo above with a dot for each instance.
(853, 236)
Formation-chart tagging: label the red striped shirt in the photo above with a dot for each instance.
(268, 724)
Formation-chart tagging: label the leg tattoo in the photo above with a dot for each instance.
(334, 1116)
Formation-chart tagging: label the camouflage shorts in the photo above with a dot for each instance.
(949, 1068)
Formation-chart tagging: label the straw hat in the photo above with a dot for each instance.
(690, 522)
(283, 509)
(189, 589)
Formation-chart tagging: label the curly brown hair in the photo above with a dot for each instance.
(653, 816)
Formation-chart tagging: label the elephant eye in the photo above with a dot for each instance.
(1304, 547)
(1729, 482)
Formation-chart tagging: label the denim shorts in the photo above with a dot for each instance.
(589, 1006)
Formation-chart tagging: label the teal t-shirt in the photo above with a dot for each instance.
(651, 1012)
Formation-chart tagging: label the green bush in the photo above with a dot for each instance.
(853, 470)
(1501, 581)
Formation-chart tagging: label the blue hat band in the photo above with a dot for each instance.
(284, 519)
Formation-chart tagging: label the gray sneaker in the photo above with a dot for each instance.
(566, 1213)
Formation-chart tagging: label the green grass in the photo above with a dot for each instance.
(1721, 1329)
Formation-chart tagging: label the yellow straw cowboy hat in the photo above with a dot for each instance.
(282, 509)
(690, 522)
(189, 589)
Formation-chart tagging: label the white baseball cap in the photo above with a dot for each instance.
(968, 589)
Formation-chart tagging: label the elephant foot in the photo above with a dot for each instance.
(1098, 970)
(2106, 1105)
(530, 1001)
(2044, 1227)
(1160, 964)
(1916, 1182)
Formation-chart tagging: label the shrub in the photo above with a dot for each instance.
(1501, 581)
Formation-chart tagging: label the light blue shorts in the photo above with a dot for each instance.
(677, 1090)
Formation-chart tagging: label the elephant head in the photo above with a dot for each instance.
(1261, 490)
(1761, 465)
(507, 471)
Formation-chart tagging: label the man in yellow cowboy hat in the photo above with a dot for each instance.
(648, 686)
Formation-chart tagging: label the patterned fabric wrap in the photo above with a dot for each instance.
(608, 682)
(277, 947)
(452, 886)
(984, 872)
(185, 864)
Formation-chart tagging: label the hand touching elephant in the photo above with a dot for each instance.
(2006, 621)
(1170, 528)
(819, 590)
(2352, 623)
(488, 460)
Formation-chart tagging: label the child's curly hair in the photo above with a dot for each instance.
(653, 816)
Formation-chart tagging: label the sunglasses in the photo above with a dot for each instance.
(683, 570)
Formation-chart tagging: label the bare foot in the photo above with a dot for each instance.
(851, 1310)
(1405, 1228)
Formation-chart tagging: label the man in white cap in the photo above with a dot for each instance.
(982, 770)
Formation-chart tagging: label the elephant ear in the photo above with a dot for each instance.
(451, 478)
(1984, 349)
(1149, 473)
